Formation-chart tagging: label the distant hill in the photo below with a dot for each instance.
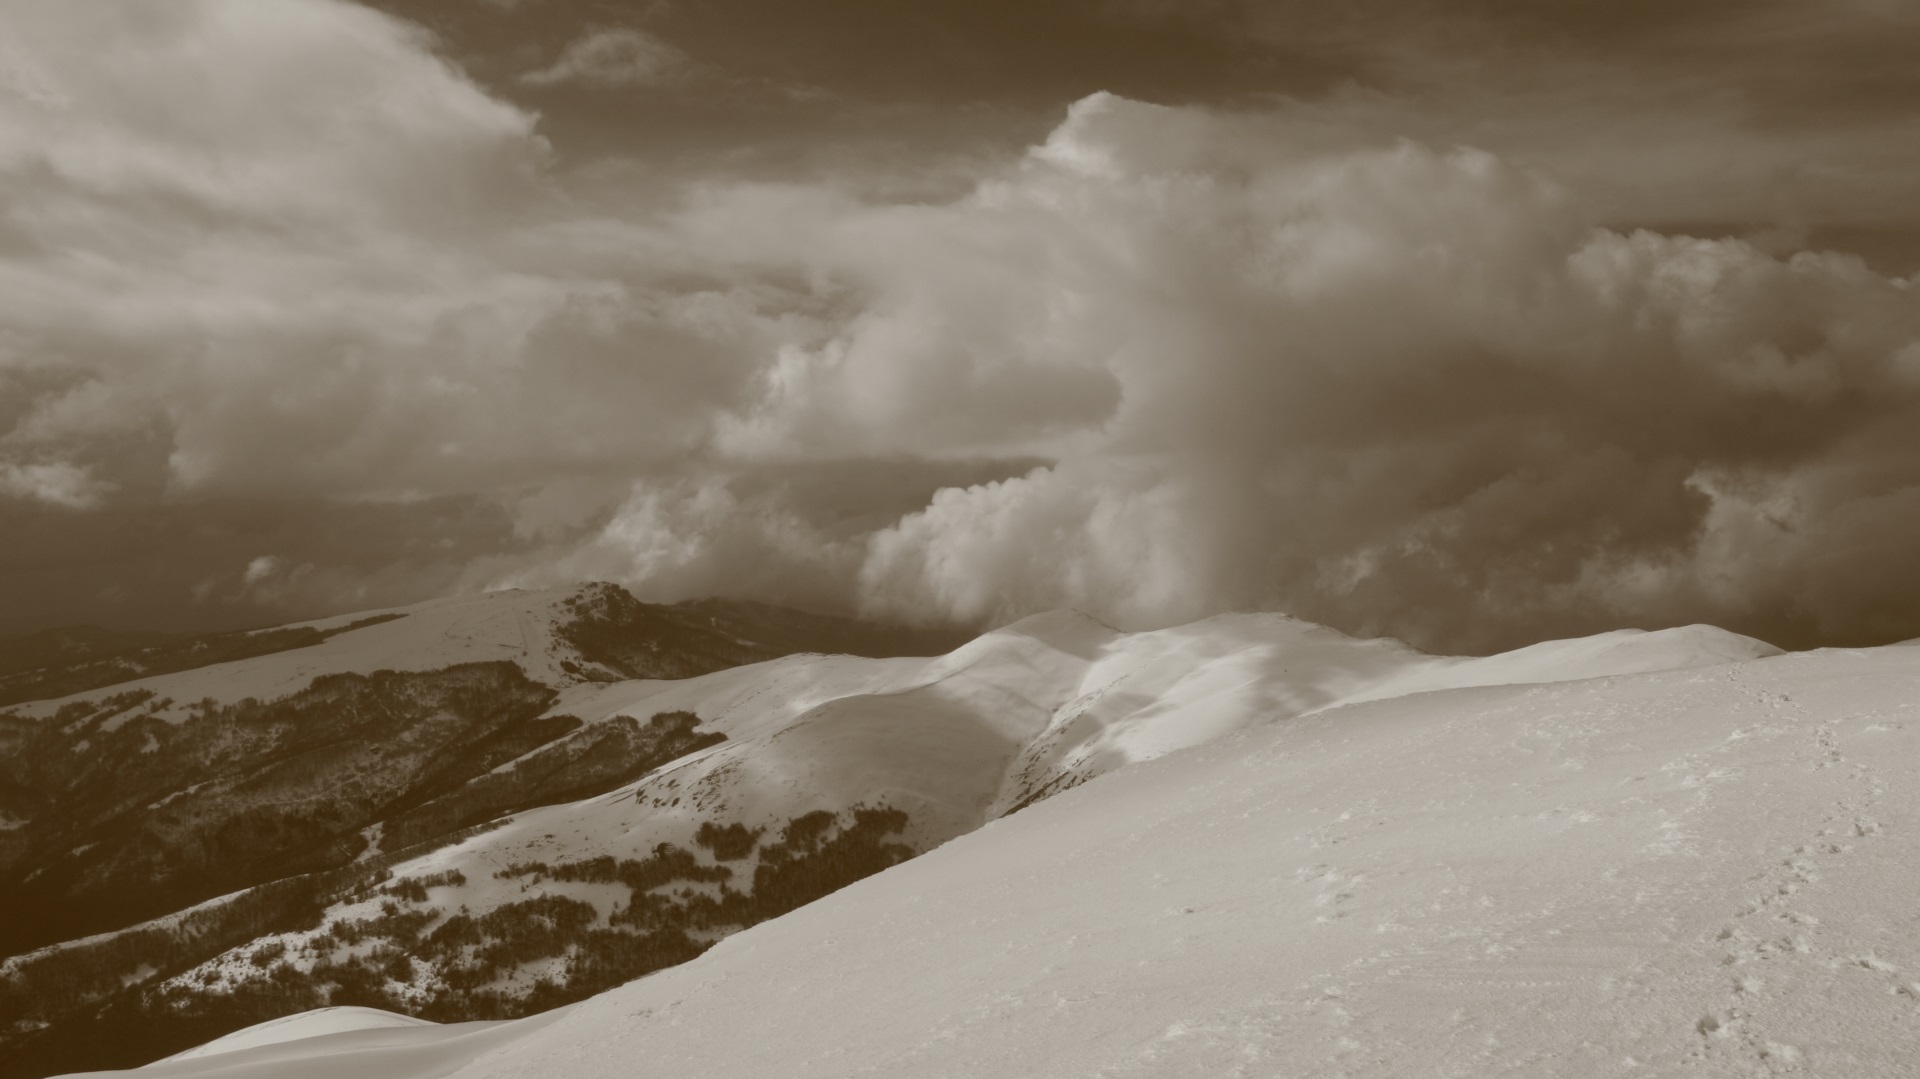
(67, 645)
(603, 623)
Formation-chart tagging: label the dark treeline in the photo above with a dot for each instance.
(617, 636)
(558, 769)
(440, 967)
(69, 1007)
(154, 814)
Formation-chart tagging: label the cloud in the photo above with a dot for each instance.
(58, 483)
(1167, 362)
(297, 253)
(621, 56)
(696, 537)
(1281, 363)
(221, 211)
(262, 568)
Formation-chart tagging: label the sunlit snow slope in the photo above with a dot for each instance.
(1702, 871)
(166, 799)
(1010, 717)
(950, 743)
(319, 1023)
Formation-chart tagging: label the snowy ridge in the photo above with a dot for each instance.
(1697, 871)
(953, 742)
(332, 1042)
(314, 1024)
(515, 626)
(202, 794)
(1039, 706)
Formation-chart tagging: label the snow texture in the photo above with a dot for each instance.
(1013, 716)
(1706, 870)
(314, 1024)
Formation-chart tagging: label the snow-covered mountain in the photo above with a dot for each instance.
(1706, 870)
(236, 784)
(1012, 717)
(719, 801)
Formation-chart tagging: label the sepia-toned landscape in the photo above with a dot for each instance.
(831, 538)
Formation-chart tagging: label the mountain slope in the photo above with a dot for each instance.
(730, 797)
(557, 637)
(958, 740)
(134, 799)
(1704, 871)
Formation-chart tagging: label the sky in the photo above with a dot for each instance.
(1471, 323)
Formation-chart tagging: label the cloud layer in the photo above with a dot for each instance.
(621, 56)
(1166, 362)
(1398, 388)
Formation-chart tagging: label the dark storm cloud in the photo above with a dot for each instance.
(1389, 387)
(940, 51)
(906, 99)
(842, 305)
(210, 564)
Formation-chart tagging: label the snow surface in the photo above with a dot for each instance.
(313, 1024)
(319, 1045)
(1707, 870)
(961, 739)
(958, 740)
(514, 625)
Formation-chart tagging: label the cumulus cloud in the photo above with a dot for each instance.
(263, 568)
(319, 261)
(621, 56)
(1170, 361)
(694, 537)
(1276, 363)
(280, 250)
(58, 483)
